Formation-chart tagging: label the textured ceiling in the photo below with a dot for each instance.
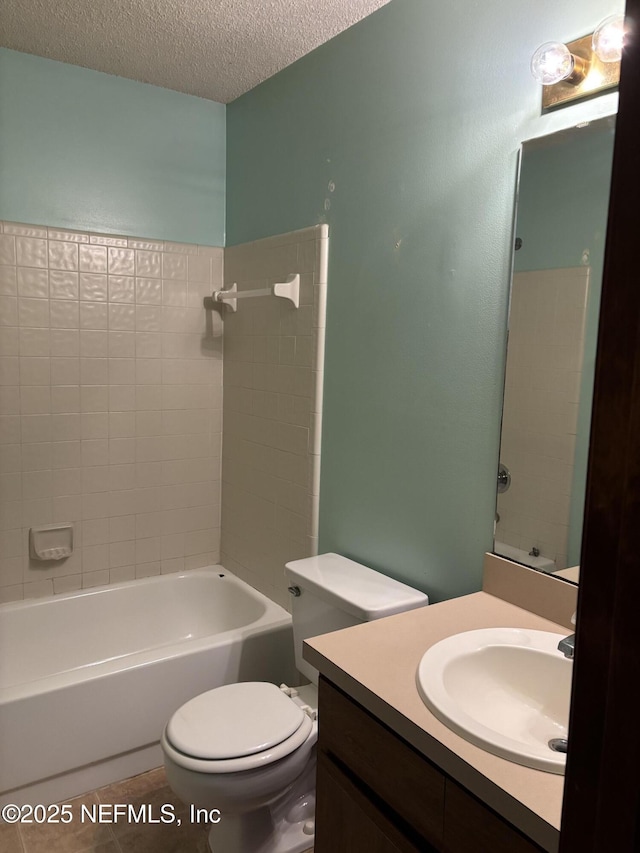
(216, 49)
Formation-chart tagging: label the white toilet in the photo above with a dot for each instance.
(248, 749)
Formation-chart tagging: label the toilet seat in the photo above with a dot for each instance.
(236, 727)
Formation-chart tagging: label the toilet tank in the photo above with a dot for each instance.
(330, 592)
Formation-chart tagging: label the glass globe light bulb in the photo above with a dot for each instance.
(608, 39)
(551, 63)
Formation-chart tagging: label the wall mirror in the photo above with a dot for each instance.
(561, 221)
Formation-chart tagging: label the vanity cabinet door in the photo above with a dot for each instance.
(471, 827)
(348, 821)
(403, 779)
(376, 794)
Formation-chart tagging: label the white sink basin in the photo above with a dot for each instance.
(504, 689)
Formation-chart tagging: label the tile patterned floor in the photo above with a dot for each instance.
(81, 837)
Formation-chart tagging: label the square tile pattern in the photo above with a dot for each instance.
(149, 789)
(110, 406)
(273, 379)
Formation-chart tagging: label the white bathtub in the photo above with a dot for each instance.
(89, 679)
(544, 564)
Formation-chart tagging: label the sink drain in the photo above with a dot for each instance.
(558, 744)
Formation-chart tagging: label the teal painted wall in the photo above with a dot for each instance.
(562, 213)
(81, 149)
(416, 115)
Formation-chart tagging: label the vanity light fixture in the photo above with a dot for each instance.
(580, 68)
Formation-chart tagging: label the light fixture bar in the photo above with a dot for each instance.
(599, 76)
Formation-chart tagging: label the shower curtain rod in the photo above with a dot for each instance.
(289, 289)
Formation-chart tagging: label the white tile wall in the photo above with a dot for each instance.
(542, 392)
(272, 409)
(110, 405)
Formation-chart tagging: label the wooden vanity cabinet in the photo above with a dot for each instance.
(377, 794)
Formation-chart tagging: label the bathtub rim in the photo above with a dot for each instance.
(274, 616)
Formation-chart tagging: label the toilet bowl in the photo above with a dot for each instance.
(247, 750)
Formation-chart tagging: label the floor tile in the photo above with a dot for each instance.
(58, 838)
(10, 839)
(77, 836)
(148, 789)
(136, 787)
(164, 839)
(109, 847)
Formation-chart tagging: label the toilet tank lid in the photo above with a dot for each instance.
(358, 590)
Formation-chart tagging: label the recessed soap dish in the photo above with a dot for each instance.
(51, 542)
